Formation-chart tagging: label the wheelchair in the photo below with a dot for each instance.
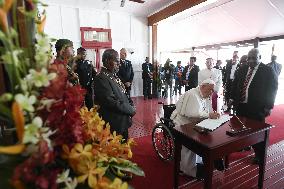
(162, 138)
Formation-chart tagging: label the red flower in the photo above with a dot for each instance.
(45, 155)
(70, 131)
(47, 179)
(57, 86)
(38, 169)
(64, 114)
(74, 97)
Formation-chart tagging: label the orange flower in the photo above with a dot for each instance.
(41, 24)
(103, 140)
(3, 14)
(3, 21)
(20, 126)
(7, 5)
(14, 149)
(19, 120)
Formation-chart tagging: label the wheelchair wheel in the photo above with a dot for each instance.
(163, 142)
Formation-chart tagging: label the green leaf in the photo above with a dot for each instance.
(132, 168)
(9, 122)
(5, 111)
(13, 33)
(6, 97)
(40, 3)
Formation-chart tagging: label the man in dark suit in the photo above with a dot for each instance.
(147, 76)
(168, 71)
(125, 72)
(110, 95)
(86, 73)
(254, 90)
(178, 77)
(229, 75)
(190, 74)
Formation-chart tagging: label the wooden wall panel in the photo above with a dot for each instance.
(154, 43)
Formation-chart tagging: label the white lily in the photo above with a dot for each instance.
(24, 84)
(12, 57)
(45, 134)
(40, 78)
(46, 103)
(43, 50)
(32, 131)
(64, 178)
(72, 184)
(26, 101)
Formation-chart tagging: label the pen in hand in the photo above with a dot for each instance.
(214, 115)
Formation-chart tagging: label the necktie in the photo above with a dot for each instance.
(244, 88)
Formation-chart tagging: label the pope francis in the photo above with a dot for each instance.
(195, 103)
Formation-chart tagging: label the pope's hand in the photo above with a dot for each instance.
(214, 115)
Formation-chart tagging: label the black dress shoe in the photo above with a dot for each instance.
(255, 160)
(200, 172)
(219, 164)
(245, 149)
(248, 148)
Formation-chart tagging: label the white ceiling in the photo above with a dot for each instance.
(222, 21)
(139, 9)
(212, 22)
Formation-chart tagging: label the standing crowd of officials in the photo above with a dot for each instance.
(109, 89)
(249, 85)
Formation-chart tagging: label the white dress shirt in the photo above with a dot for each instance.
(233, 70)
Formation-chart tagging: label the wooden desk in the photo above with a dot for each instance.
(217, 144)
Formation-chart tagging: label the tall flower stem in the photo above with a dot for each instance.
(15, 26)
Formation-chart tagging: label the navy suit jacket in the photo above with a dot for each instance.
(193, 76)
(125, 72)
(146, 70)
(262, 90)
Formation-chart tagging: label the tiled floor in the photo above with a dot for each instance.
(148, 114)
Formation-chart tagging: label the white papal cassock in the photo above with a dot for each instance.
(190, 105)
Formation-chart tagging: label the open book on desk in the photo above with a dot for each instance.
(212, 124)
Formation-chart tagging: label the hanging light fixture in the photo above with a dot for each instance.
(122, 3)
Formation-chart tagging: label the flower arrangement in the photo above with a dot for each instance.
(60, 143)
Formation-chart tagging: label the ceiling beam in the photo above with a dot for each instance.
(171, 10)
(243, 42)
